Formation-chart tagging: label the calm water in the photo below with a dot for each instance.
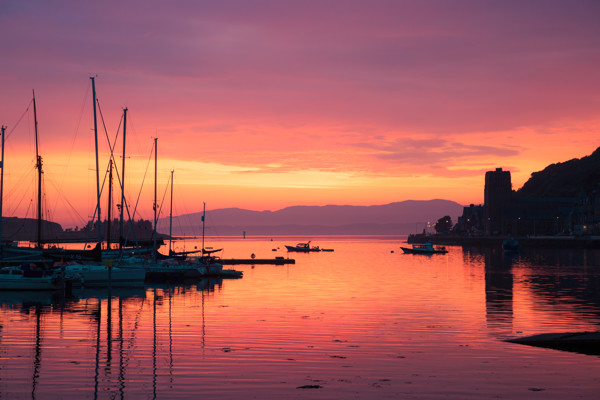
(360, 322)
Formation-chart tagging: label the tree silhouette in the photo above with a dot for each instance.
(443, 224)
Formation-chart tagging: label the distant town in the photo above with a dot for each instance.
(557, 206)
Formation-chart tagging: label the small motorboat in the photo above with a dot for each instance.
(426, 248)
(302, 248)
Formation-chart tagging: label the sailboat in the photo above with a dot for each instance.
(10, 252)
(39, 253)
(102, 275)
(180, 265)
(211, 263)
(203, 250)
(161, 267)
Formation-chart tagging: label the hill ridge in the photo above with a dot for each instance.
(329, 218)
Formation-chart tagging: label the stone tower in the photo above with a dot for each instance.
(497, 200)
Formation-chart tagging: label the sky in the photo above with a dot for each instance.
(267, 104)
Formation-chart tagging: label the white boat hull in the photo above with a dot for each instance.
(13, 278)
(102, 276)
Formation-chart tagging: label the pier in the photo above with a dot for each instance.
(254, 261)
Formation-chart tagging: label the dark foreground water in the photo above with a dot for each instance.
(360, 322)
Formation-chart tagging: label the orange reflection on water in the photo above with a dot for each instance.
(360, 320)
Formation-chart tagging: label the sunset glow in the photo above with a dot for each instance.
(267, 104)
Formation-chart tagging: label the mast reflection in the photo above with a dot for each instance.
(37, 360)
(119, 327)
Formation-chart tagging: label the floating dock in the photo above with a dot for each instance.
(254, 261)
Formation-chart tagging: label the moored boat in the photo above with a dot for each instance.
(426, 248)
(63, 255)
(212, 267)
(302, 248)
(96, 275)
(23, 278)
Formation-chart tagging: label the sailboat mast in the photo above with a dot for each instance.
(171, 215)
(108, 216)
(1, 189)
(97, 167)
(123, 180)
(38, 165)
(155, 174)
(203, 218)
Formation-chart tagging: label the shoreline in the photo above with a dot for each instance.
(573, 242)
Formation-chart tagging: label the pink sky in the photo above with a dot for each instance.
(267, 104)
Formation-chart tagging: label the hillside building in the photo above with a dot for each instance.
(505, 213)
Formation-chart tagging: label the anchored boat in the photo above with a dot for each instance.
(104, 275)
(302, 248)
(426, 248)
(19, 278)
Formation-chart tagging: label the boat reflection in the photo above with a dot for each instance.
(28, 298)
(116, 321)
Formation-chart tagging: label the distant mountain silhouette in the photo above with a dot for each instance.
(396, 218)
(565, 179)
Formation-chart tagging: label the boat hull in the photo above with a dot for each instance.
(422, 251)
(165, 272)
(101, 276)
(14, 278)
(300, 249)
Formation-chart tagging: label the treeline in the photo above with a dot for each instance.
(566, 179)
(140, 227)
(25, 229)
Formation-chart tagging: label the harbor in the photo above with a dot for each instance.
(315, 200)
(315, 328)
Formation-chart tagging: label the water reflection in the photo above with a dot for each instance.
(554, 280)
(499, 290)
(37, 359)
(115, 316)
(565, 276)
(419, 327)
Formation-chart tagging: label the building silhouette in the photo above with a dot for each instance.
(508, 213)
(497, 201)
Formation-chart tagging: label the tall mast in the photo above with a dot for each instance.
(123, 180)
(155, 168)
(203, 218)
(38, 165)
(97, 167)
(1, 189)
(108, 216)
(171, 215)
